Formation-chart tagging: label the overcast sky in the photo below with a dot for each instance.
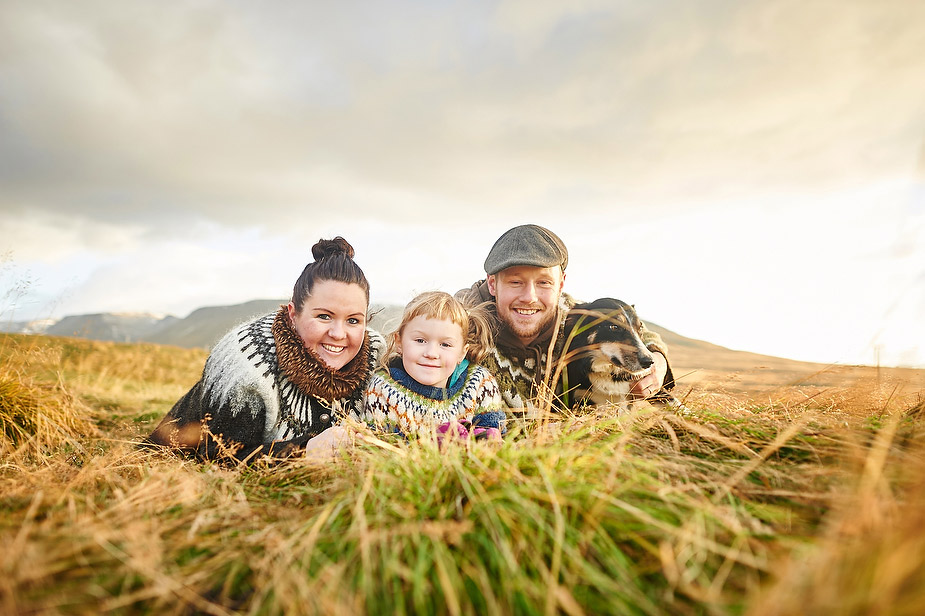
(751, 173)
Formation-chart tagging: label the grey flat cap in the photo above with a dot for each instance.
(526, 245)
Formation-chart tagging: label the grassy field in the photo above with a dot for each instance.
(803, 499)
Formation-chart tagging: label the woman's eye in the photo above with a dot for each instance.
(324, 317)
(353, 321)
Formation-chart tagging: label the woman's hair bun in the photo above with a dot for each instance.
(329, 248)
(333, 261)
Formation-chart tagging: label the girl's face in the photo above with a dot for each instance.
(431, 349)
(332, 322)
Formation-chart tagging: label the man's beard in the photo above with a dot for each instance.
(531, 331)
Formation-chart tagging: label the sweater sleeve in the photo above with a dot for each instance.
(195, 425)
(181, 428)
(489, 397)
(236, 427)
(655, 343)
(490, 410)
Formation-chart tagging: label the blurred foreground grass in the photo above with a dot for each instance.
(735, 509)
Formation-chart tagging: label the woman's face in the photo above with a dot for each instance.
(332, 322)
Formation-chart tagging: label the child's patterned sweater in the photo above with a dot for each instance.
(395, 402)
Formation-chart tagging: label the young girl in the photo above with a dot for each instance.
(430, 379)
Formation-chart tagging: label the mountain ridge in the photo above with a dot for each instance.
(203, 327)
(696, 364)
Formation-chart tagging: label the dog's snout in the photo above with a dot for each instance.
(645, 360)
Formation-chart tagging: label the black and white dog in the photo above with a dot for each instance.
(604, 355)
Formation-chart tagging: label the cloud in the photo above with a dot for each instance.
(225, 107)
(53, 238)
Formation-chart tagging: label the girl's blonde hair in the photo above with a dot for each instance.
(473, 322)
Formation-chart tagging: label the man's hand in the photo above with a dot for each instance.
(652, 382)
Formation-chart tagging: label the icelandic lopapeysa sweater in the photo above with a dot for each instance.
(263, 392)
(395, 402)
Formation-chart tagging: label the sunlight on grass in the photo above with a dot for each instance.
(763, 508)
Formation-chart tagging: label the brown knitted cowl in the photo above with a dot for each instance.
(308, 372)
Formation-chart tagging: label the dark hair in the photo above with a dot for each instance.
(333, 261)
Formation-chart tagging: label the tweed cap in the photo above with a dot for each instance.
(526, 245)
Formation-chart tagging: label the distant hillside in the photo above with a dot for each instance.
(37, 326)
(204, 327)
(695, 363)
(709, 367)
(111, 327)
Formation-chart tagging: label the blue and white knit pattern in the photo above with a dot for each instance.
(395, 403)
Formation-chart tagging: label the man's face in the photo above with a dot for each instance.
(527, 298)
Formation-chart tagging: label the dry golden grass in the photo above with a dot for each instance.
(121, 385)
(789, 501)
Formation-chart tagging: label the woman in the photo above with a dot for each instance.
(271, 385)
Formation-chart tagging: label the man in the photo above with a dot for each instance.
(525, 276)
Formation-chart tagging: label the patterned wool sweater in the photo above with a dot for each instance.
(520, 370)
(263, 392)
(395, 402)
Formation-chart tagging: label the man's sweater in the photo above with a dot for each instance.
(525, 372)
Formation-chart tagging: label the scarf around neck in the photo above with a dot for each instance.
(397, 372)
(308, 372)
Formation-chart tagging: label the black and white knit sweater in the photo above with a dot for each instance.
(395, 402)
(263, 392)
